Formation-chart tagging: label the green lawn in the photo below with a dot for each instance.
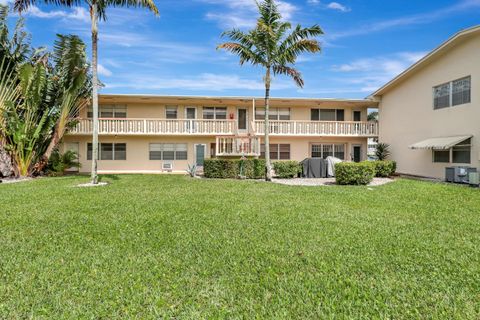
(176, 247)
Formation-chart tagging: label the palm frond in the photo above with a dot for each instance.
(298, 34)
(244, 53)
(147, 4)
(289, 71)
(290, 54)
(23, 5)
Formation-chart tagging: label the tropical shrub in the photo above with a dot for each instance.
(59, 162)
(192, 170)
(286, 169)
(354, 173)
(230, 168)
(40, 94)
(384, 168)
(382, 151)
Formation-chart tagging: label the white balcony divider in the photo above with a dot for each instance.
(321, 128)
(237, 146)
(157, 126)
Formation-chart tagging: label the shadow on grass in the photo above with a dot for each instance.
(108, 177)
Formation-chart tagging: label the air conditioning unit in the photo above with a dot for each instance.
(167, 166)
(458, 174)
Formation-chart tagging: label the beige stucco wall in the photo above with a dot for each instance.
(154, 107)
(406, 112)
(138, 150)
(299, 110)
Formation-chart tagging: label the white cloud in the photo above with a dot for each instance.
(243, 13)
(102, 71)
(391, 65)
(422, 18)
(5, 2)
(77, 13)
(370, 73)
(338, 6)
(203, 82)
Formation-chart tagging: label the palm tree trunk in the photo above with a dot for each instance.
(268, 165)
(94, 17)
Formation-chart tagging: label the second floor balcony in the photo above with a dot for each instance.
(117, 126)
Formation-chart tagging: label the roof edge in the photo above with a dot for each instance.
(424, 60)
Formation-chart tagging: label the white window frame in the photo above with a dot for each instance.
(116, 108)
(450, 92)
(320, 112)
(100, 151)
(215, 112)
(333, 145)
(175, 150)
(273, 111)
(190, 107)
(171, 107)
(450, 151)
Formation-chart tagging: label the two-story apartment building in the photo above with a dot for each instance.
(430, 113)
(144, 133)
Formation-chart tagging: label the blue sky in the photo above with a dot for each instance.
(365, 44)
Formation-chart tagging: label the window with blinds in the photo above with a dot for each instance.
(459, 153)
(168, 151)
(273, 114)
(452, 93)
(109, 151)
(109, 111)
(171, 112)
(327, 114)
(461, 91)
(324, 150)
(218, 113)
(277, 151)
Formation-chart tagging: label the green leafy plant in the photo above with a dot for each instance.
(59, 162)
(373, 116)
(353, 173)
(382, 151)
(97, 11)
(40, 93)
(287, 169)
(384, 168)
(273, 46)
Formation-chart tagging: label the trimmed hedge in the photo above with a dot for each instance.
(286, 169)
(385, 168)
(230, 168)
(353, 173)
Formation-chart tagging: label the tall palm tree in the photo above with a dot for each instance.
(274, 47)
(97, 11)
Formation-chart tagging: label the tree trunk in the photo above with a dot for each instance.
(6, 167)
(94, 17)
(268, 165)
(40, 166)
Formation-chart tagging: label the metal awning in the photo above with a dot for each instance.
(442, 143)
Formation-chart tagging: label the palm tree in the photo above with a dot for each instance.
(271, 46)
(97, 11)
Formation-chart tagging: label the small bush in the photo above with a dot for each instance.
(384, 168)
(230, 168)
(352, 173)
(286, 169)
(59, 163)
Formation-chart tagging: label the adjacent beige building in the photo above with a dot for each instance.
(430, 114)
(150, 134)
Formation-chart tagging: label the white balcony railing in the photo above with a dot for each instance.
(319, 128)
(156, 126)
(225, 127)
(237, 146)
